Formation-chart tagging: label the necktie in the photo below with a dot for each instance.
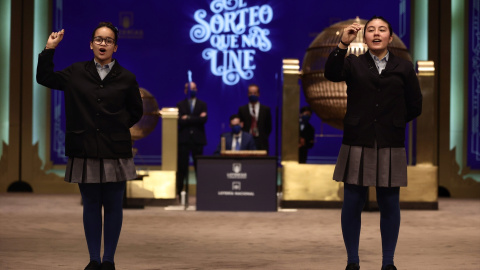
(253, 127)
(237, 146)
(191, 106)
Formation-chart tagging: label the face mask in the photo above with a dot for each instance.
(253, 98)
(193, 94)
(236, 129)
(305, 118)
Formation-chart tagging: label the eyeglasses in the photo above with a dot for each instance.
(108, 41)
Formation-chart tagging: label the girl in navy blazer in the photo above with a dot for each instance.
(102, 102)
(383, 94)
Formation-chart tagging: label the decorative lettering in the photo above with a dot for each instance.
(233, 48)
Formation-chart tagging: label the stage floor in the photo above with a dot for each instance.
(46, 232)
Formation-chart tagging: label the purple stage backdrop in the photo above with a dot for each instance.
(227, 44)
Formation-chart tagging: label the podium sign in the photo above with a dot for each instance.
(236, 184)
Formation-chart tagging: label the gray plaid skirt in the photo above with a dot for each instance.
(378, 167)
(98, 170)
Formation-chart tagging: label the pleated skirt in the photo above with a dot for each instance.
(378, 167)
(93, 170)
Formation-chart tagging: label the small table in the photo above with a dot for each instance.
(243, 183)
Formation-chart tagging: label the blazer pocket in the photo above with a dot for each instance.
(351, 128)
(121, 143)
(74, 141)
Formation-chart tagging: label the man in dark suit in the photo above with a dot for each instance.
(237, 139)
(257, 118)
(192, 114)
(307, 134)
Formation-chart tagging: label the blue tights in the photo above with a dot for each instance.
(388, 202)
(110, 195)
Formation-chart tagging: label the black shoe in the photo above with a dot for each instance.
(353, 266)
(107, 266)
(93, 265)
(389, 267)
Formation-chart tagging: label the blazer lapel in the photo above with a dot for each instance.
(261, 114)
(392, 62)
(244, 141)
(228, 141)
(248, 120)
(90, 67)
(371, 64)
(116, 70)
(185, 106)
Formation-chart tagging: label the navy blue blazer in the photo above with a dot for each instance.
(264, 122)
(248, 143)
(378, 105)
(192, 129)
(99, 112)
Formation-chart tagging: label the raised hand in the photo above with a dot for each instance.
(350, 33)
(54, 39)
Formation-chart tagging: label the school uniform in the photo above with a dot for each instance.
(383, 95)
(102, 103)
(99, 113)
(379, 105)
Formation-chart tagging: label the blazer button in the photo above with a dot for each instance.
(98, 130)
(376, 105)
(98, 100)
(101, 85)
(97, 114)
(375, 120)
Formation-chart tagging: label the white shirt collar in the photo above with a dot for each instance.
(109, 65)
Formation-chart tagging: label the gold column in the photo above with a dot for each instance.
(17, 161)
(290, 109)
(427, 140)
(301, 182)
(160, 184)
(169, 138)
(423, 177)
